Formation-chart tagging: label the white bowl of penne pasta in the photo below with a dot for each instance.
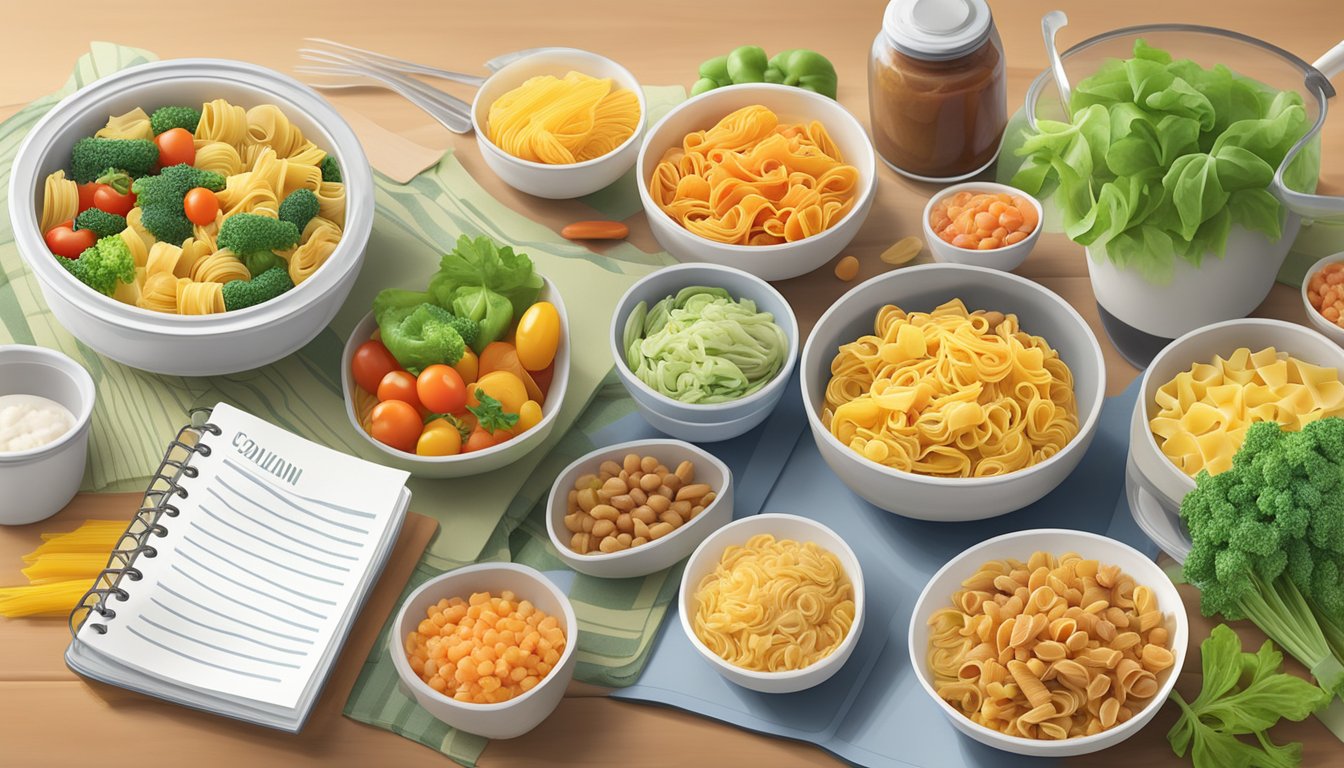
(1081, 664)
(265, 135)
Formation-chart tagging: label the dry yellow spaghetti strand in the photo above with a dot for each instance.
(951, 393)
(774, 605)
(559, 121)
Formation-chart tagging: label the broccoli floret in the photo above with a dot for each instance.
(393, 304)
(299, 208)
(104, 264)
(92, 156)
(254, 239)
(239, 294)
(421, 336)
(331, 170)
(168, 118)
(100, 222)
(160, 199)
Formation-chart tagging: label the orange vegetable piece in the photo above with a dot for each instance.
(847, 268)
(595, 230)
(502, 356)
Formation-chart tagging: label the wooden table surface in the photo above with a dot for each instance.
(49, 717)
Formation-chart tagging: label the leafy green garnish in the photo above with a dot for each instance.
(486, 282)
(490, 413)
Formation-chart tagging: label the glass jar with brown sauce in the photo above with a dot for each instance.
(937, 89)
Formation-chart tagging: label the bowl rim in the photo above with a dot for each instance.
(547, 418)
(83, 381)
(763, 394)
(356, 173)
(1179, 641)
(945, 192)
(483, 136)
(408, 677)
(555, 515)
(1327, 328)
(861, 200)
(841, 651)
(978, 273)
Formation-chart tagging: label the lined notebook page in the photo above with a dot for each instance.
(253, 576)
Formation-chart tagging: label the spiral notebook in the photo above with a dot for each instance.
(236, 583)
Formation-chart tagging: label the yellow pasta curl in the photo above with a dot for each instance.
(560, 121)
(218, 157)
(60, 200)
(132, 125)
(319, 243)
(222, 121)
(219, 267)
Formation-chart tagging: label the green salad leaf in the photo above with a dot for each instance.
(486, 282)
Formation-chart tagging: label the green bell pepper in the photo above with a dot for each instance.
(804, 69)
(799, 67)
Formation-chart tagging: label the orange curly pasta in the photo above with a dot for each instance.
(560, 121)
(751, 180)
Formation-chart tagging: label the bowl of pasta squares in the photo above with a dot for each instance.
(1049, 642)
(770, 179)
(193, 217)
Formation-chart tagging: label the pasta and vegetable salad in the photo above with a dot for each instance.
(195, 211)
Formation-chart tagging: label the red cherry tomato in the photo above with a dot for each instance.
(175, 147)
(201, 206)
(480, 439)
(86, 192)
(370, 364)
(397, 424)
(69, 243)
(398, 385)
(442, 389)
(105, 198)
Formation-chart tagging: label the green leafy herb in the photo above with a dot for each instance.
(487, 283)
(490, 413)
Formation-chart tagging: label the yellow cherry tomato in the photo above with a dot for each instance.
(505, 387)
(528, 416)
(469, 366)
(538, 336)
(439, 439)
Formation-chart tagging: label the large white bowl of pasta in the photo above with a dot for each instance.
(770, 179)
(266, 135)
(1054, 677)
(949, 392)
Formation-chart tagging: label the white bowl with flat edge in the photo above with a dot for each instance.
(1164, 479)
(922, 288)
(1020, 545)
(39, 482)
(792, 105)
(1007, 257)
(507, 719)
(704, 422)
(203, 345)
(657, 554)
(801, 529)
(476, 462)
(545, 179)
(1332, 331)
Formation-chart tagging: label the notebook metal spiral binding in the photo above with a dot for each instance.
(147, 524)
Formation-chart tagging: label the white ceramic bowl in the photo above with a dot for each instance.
(922, 288)
(1006, 258)
(801, 529)
(769, 262)
(542, 179)
(518, 715)
(1332, 331)
(1156, 472)
(1020, 545)
(693, 422)
(205, 345)
(39, 482)
(659, 553)
(476, 462)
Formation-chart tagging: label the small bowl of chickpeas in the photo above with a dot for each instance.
(487, 649)
(982, 224)
(636, 508)
(1323, 295)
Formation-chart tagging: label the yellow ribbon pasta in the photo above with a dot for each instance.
(222, 121)
(60, 200)
(751, 180)
(218, 157)
(319, 241)
(132, 125)
(560, 121)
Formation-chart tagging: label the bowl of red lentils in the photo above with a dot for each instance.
(1323, 295)
(487, 649)
(982, 224)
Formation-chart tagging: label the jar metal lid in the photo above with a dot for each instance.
(936, 30)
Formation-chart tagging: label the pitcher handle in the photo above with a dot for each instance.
(1312, 206)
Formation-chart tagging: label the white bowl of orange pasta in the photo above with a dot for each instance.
(253, 116)
(526, 117)
(1056, 673)
(773, 227)
(910, 427)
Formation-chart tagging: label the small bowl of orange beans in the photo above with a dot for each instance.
(1323, 295)
(487, 649)
(982, 224)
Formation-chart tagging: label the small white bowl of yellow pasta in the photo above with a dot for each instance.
(515, 106)
(1137, 640)
(825, 581)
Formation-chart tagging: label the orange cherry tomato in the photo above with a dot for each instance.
(105, 198)
(396, 423)
(538, 336)
(441, 389)
(201, 206)
(469, 367)
(481, 439)
(370, 364)
(399, 385)
(67, 242)
(176, 146)
(86, 193)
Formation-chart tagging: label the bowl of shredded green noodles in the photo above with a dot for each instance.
(705, 350)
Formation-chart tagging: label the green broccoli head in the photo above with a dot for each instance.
(160, 199)
(92, 156)
(331, 170)
(101, 266)
(240, 294)
(393, 304)
(421, 336)
(249, 233)
(168, 118)
(100, 222)
(299, 208)
(258, 262)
